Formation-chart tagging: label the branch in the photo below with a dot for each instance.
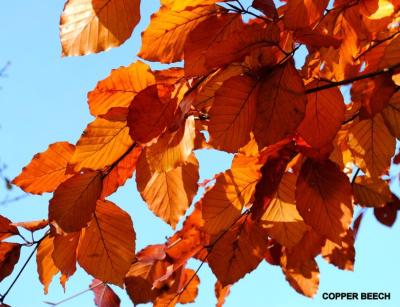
(74, 296)
(351, 80)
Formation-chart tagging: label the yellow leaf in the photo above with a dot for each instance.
(102, 143)
(90, 26)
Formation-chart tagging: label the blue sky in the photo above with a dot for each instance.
(43, 100)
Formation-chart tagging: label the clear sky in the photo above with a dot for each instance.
(43, 100)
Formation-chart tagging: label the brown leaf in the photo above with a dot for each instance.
(74, 201)
(45, 264)
(46, 170)
(7, 229)
(9, 256)
(107, 246)
(64, 252)
(341, 255)
(90, 26)
(104, 296)
(323, 198)
(371, 192)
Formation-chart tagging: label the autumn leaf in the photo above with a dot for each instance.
(232, 113)
(32, 225)
(303, 13)
(9, 256)
(238, 252)
(323, 117)
(168, 194)
(280, 106)
(121, 172)
(281, 219)
(387, 214)
(223, 203)
(150, 112)
(183, 4)
(372, 145)
(64, 252)
(7, 229)
(102, 143)
(323, 198)
(46, 170)
(45, 264)
(107, 246)
(164, 39)
(371, 192)
(120, 87)
(92, 26)
(391, 115)
(74, 201)
(221, 293)
(341, 255)
(104, 296)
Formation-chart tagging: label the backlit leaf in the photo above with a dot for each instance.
(45, 264)
(104, 296)
(9, 256)
(46, 170)
(303, 13)
(7, 229)
(371, 192)
(107, 246)
(89, 26)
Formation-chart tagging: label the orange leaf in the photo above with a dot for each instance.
(122, 171)
(372, 146)
(120, 87)
(281, 219)
(232, 113)
(9, 256)
(223, 203)
(323, 198)
(64, 252)
(172, 148)
(221, 293)
(164, 38)
(33, 225)
(238, 252)
(343, 255)
(247, 38)
(303, 13)
(371, 192)
(107, 246)
(323, 118)
(183, 4)
(391, 115)
(46, 170)
(151, 112)
(7, 229)
(281, 105)
(200, 41)
(168, 194)
(45, 265)
(90, 26)
(104, 296)
(267, 7)
(102, 143)
(74, 201)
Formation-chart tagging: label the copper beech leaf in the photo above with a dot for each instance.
(46, 170)
(45, 264)
(183, 4)
(32, 225)
(280, 106)
(303, 13)
(391, 115)
(107, 246)
(232, 113)
(7, 228)
(120, 87)
(238, 252)
(90, 26)
(151, 112)
(9, 256)
(164, 38)
(168, 194)
(74, 201)
(102, 143)
(323, 198)
(281, 220)
(341, 255)
(233, 190)
(371, 192)
(104, 296)
(221, 293)
(64, 252)
(372, 145)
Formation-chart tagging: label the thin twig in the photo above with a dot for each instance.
(355, 175)
(7, 200)
(351, 80)
(74, 296)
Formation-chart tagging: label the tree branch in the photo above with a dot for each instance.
(351, 80)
